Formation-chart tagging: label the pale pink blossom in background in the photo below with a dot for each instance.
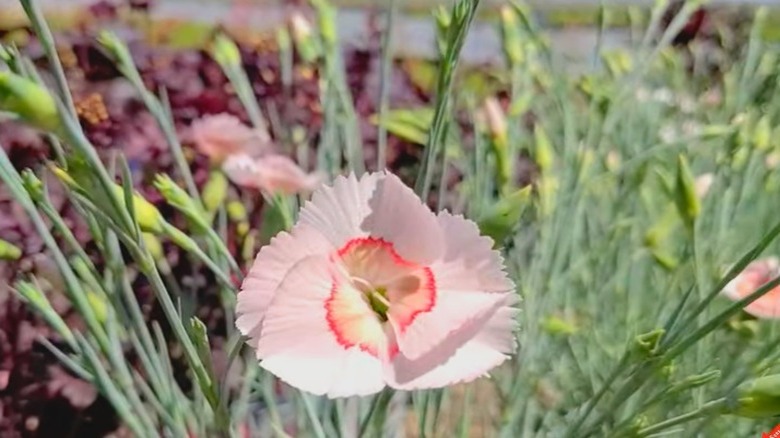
(703, 183)
(755, 275)
(372, 289)
(269, 173)
(219, 136)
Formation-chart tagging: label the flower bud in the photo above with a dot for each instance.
(215, 191)
(511, 40)
(619, 62)
(326, 15)
(33, 185)
(38, 301)
(98, 305)
(148, 216)
(29, 101)
(9, 251)
(555, 325)
(543, 150)
(153, 245)
(63, 176)
(759, 398)
(115, 47)
(649, 342)
(496, 124)
(178, 198)
(687, 201)
(225, 52)
(762, 133)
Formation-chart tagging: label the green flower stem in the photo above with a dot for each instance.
(738, 267)
(75, 291)
(112, 393)
(46, 39)
(384, 81)
(161, 116)
(720, 319)
(707, 409)
(148, 267)
(238, 78)
(463, 14)
(185, 242)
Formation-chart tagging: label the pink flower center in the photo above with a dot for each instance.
(381, 288)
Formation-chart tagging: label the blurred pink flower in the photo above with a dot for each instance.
(270, 173)
(222, 135)
(372, 289)
(748, 281)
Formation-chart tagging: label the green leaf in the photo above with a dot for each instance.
(499, 221)
(411, 125)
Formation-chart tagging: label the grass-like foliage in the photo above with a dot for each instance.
(654, 185)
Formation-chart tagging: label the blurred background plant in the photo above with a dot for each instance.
(626, 189)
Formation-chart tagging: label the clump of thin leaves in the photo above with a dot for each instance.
(653, 188)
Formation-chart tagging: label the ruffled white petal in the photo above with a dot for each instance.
(469, 281)
(299, 347)
(469, 262)
(338, 211)
(271, 265)
(399, 216)
(454, 313)
(490, 341)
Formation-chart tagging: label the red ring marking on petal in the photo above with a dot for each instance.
(429, 288)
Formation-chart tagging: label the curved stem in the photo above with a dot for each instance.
(704, 410)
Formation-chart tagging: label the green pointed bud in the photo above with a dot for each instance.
(662, 228)
(33, 296)
(759, 398)
(179, 199)
(687, 201)
(29, 101)
(9, 251)
(215, 191)
(153, 245)
(443, 22)
(64, 177)
(558, 326)
(664, 258)
(511, 39)
(32, 185)
(98, 305)
(199, 335)
(326, 19)
(618, 62)
(115, 47)
(762, 133)
(148, 216)
(543, 149)
(649, 342)
(225, 52)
